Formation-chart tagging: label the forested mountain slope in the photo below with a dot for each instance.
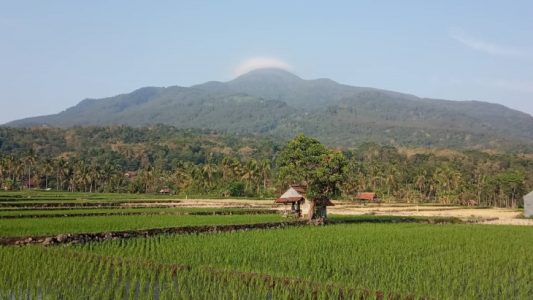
(276, 102)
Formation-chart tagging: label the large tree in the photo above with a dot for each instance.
(306, 160)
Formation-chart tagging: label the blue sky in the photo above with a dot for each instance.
(53, 54)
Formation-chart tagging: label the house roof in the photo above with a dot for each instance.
(300, 188)
(366, 196)
(290, 196)
(296, 193)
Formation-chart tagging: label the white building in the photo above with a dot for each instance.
(528, 205)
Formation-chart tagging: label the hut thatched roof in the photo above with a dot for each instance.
(290, 196)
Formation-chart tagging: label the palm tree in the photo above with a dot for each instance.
(251, 173)
(82, 175)
(209, 172)
(182, 179)
(46, 170)
(29, 161)
(392, 180)
(3, 170)
(18, 173)
(421, 182)
(61, 166)
(266, 171)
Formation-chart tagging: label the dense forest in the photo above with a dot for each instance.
(276, 102)
(209, 163)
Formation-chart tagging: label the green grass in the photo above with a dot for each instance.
(126, 211)
(39, 195)
(360, 257)
(317, 262)
(77, 203)
(52, 195)
(391, 219)
(446, 261)
(52, 226)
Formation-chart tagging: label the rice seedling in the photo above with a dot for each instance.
(347, 261)
(51, 226)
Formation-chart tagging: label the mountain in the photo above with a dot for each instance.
(276, 102)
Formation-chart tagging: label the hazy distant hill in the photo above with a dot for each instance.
(272, 101)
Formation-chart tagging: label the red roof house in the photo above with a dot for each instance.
(367, 196)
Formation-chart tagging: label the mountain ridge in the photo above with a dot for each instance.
(279, 103)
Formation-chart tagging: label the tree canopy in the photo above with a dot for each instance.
(208, 163)
(306, 160)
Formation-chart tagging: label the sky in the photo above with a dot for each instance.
(53, 54)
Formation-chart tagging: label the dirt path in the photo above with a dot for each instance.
(71, 238)
(500, 216)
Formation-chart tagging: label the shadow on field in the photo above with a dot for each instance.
(345, 219)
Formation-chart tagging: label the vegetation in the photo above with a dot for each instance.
(90, 224)
(364, 260)
(278, 103)
(307, 160)
(36, 213)
(97, 180)
(209, 164)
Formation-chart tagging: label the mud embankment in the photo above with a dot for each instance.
(143, 213)
(37, 205)
(74, 238)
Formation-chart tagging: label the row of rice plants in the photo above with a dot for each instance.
(14, 213)
(442, 262)
(78, 203)
(52, 195)
(40, 273)
(438, 261)
(52, 226)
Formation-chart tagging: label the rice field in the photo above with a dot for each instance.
(359, 257)
(67, 196)
(52, 226)
(398, 260)
(43, 213)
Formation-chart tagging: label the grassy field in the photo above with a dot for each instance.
(358, 257)
(439, 262)
(51, 195)
(38, 213)
(51, 226)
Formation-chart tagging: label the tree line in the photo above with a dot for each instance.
(189, 163)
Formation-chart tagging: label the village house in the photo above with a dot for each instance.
(300, 206)
(367, 196)
(165, 191)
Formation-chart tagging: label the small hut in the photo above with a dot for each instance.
(300, 205)
(369, 197)
(528, 205)
(165, 191)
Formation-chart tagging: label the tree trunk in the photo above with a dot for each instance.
(311, 214)
(29, 177)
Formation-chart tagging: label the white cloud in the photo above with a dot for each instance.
(260, 63)
(487, 47)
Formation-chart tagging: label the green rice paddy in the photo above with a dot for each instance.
(365, 257)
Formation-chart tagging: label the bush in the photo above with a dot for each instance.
(236, 189)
